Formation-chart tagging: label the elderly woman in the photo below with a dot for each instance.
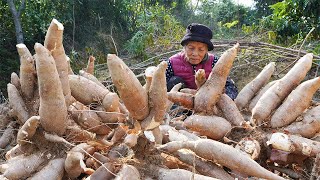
(183, 65)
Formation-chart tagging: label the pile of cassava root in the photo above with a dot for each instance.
(72, 127)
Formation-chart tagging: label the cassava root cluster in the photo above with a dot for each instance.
(72, 127)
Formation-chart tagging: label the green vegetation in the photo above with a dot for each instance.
(142, 29)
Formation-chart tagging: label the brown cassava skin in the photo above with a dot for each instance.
(111, 102)
(7, 136)
(209, 93)
(53, 42)
(273, 97)
(230, 110)
(15, 81)
(27, 71)
(17, 104)
(181, 174)
(128, 172)
(259, 94)
(85, 90)
(297, 101)
(27, 130)
(157, 97)
(183, 99)
(91, 77)
(131, 92)
(248, 92)
(224, 155)
(90, 65)
(212, 126)
(17, 166)
(87, 119)
(189, 91)
(309, 125)
(204, 167)
(53, 109)
(54, 168)
(200, 78)
(158, 92)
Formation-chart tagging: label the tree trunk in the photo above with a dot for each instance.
(16, 18)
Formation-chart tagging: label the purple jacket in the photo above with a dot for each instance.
(186, 71)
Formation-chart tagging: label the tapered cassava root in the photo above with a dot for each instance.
(209, 93)
(248, 92)
(223, 154)
(133, 95)
(51, 93)
(54, 43)
(27, 71)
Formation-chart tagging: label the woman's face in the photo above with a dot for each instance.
(195, 51)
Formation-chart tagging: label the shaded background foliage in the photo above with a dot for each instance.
(144, 28)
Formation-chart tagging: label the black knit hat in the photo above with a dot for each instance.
(199, 33)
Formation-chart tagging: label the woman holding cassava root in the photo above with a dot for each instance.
(184, 66)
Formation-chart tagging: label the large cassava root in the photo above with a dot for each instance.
(157, 98)
(210, 91)
(223, 154)
(248, 92)
(230, 110)
(53, 42)
(133, 95)
(27, 71)
(205, 126)
(51, 92)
